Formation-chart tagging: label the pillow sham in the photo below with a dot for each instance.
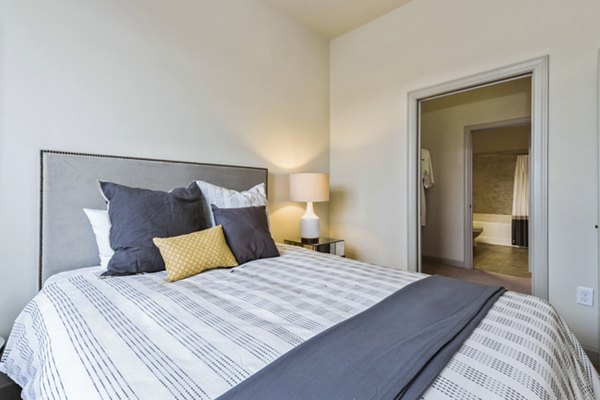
(139, 215)
(101, 228)
(247, 232)
(227, 198)
(196, 252)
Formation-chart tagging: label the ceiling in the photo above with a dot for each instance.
(331, 18)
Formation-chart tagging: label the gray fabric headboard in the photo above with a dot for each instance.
(69, 184)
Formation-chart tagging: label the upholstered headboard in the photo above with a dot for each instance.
(69, 184)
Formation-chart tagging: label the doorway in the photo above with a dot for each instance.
(467, 204)
(497, 207)
(538, 237)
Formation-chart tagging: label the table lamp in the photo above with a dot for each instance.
(309, 187)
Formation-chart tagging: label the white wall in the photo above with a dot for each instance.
(443, 122)
(232, 82)
(427, 42)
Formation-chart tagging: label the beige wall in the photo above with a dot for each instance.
(502, 139)
(233, 82)
(443, 123)
(424, 43)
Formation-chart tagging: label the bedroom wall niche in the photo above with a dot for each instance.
(191, 81)
(426, 43)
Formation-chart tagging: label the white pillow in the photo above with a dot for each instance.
(100, 222)
(227, 198)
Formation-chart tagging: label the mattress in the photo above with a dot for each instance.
(141, 337)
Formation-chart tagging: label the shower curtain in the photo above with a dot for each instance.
(520, 208)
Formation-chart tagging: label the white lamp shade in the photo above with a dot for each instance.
(309, 187)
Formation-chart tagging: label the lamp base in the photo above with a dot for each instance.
(310, 226)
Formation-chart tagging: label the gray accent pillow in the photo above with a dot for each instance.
(139, 215)
(247, 232)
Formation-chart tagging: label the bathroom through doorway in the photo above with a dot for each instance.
(475, 148)
(497, 193)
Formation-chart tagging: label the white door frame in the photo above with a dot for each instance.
(538, 236)
(469, 129)
(592, 356)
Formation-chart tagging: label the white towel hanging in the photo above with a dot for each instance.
(427, 181)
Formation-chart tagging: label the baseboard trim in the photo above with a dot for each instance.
(593, 355)
(493, 240)
(446, 261)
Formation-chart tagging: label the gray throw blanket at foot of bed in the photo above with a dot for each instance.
(393, 350)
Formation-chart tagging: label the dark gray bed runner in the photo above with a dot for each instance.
(393, 350)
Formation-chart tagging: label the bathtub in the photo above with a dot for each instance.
(496, 228)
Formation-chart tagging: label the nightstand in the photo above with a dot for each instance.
(322, 245)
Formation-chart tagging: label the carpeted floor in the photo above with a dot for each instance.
(501, 259)
(514, 283)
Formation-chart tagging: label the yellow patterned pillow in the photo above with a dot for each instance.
(190, 254)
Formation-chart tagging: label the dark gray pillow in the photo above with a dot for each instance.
(138, 215)
(247, 232)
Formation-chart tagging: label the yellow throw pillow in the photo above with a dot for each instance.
(190, 254)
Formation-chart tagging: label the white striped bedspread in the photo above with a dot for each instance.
(139, 337)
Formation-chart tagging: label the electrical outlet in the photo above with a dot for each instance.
(585, 296)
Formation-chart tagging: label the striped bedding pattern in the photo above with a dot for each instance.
(139, 337)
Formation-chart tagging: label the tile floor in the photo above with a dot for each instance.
(501, 259)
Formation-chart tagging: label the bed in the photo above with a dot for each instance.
(141, 337)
